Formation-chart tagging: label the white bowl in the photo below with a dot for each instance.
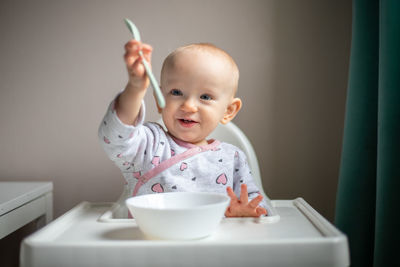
(178, 216)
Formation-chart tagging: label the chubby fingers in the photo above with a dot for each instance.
(255, 201)
(261, 211)
(231, 194)
(131, 52)
(132, 49)
(244, 196)
(132, 45)
(147, 49)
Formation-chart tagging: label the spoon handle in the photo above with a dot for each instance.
(154, 83)
(136, 35)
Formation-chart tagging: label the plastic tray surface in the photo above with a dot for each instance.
(301, 237)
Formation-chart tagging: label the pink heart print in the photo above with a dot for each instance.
(222, 179)
(156, 160)
(183, 166)
(157, 188)
(137, 174)
(106, 140)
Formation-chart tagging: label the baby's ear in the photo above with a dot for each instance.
(231, 111)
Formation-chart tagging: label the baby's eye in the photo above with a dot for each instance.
(205, 97)
(176, 92)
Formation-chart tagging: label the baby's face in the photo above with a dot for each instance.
(198, 88)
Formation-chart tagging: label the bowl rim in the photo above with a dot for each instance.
(225, 202)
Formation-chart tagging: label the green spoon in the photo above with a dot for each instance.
(136, 35)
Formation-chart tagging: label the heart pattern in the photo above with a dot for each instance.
(157, 188)
(222, 179)
(137, 174)
(183, 166)
(156, 160)
(106, 140)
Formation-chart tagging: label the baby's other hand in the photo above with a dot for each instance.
(133, 60)
(242, 207)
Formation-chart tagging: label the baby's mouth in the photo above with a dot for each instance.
(187, 123)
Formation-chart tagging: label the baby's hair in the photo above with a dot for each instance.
(204, 47)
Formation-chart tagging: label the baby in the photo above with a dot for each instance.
(199, 83)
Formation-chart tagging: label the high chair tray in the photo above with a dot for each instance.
(302, 237)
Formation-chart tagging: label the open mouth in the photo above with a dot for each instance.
(187, 123)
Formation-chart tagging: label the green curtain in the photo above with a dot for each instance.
(368, 197)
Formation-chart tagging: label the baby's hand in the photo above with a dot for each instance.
(242, 207)
(136, 71)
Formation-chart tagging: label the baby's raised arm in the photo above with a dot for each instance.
(129, 101)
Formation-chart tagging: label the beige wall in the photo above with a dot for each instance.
(61, 63)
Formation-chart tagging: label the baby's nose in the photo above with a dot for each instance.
(189, 105)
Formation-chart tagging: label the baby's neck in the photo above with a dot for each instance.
(187, 144)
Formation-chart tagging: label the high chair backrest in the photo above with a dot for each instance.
(230, 133)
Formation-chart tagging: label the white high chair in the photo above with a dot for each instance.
(302, 238)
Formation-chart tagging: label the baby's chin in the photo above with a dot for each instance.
(190, 138)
